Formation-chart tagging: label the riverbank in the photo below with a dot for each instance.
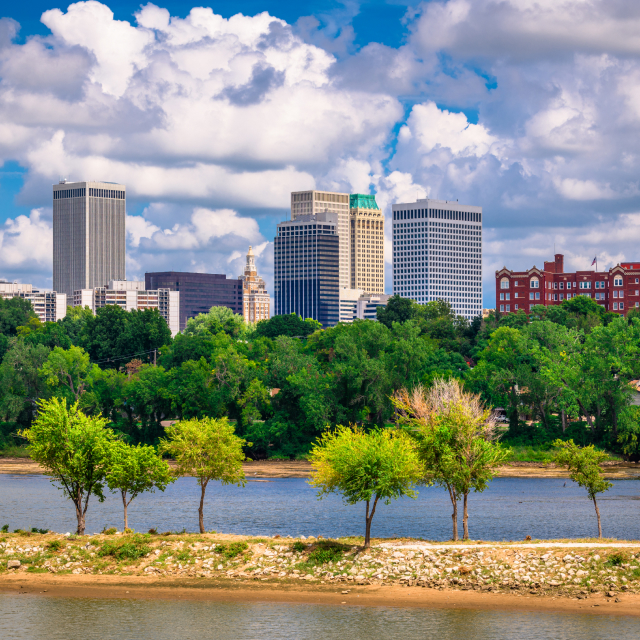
(594, 575)
(259, 469)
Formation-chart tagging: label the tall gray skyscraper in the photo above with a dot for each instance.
(437, 254)
(88, 235)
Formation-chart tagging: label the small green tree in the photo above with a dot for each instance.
(74, 449)
(133, 470)
(70, 368)
(583, 464)
(365, 467)
(206, 449)
(456, 440)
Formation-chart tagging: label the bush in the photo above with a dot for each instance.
(132, 549)
(325, 554)
(232, 549)
(36, 530)
(616, 560)
(299, 546)
(110, 531)
(54, 545)
(5, 528)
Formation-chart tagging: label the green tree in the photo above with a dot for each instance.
(134, 470)
(583, 464)
(365, 467)
(397, 309)
(292, 326)
(217, 320)
(70, 369)
(455, 438)
(14, 313)
(74, 450)
(206, 449)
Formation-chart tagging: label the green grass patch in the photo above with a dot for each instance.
(298, 546)
(616, 560)
(132, 548)
(232, 549)
(14, 451)
(55, 545)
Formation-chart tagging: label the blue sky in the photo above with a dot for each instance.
(530, 109)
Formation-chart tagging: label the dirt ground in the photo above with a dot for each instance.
(143, 588)
(301, 469)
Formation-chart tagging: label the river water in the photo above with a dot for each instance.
(26, 617)
(510, 509)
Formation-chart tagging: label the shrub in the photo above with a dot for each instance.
(615, 560)
(54, 545)
(323, 555)
(5, 528)
(299, 546)
(110, 531)
(232, 549)
(132, 549)
(36, 530)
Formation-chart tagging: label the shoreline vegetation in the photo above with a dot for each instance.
(265, 469)
(591, 576)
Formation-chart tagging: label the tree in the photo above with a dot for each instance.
(217, 320)
(455, 438)
(14, 313)
(583, 464)
(74, 449)
(397, 309)
(133, 470)
(206, 449)
(291, 325)
(365, 467)
(68, 368)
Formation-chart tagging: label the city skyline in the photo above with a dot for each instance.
(443, 100)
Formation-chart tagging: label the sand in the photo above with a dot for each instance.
(136, 587)
(264, 469)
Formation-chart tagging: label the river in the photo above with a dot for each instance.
(510, 509)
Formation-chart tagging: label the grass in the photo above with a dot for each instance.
(131, 548)
(539, 453)
(14, 451)
(232, 549)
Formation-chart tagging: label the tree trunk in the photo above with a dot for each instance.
(368, 519)
(465, 518)
(201, 507)
(81, 523)
(454, 515)
(124, 504)
(564, 421)
(586, 414)
(595, 504)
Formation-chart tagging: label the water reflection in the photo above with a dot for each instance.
(35, 618)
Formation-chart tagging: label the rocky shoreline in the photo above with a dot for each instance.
(579, 570)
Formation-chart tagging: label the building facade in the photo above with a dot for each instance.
(617, 290)
(256, 303)
(306, 268)
(198, 291)
(88, 235)
(367, 243)
(313, 202)
(367, 306)
(130, 295)
(437, 254)
(49, 306)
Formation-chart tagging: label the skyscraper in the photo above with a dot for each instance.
(312, 202)
(306, 267)
(88, 235)
(255, 299)
(367, 243)
(437, 254)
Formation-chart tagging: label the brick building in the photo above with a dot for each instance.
(617, 290)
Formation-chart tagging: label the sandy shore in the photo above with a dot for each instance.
(142, 588)
(301, 469)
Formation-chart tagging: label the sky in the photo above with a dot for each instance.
(211, 116)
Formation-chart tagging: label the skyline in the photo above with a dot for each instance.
(529, 110)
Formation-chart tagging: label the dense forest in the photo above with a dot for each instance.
(559, 372)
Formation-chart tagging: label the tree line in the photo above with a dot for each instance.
(560, 372)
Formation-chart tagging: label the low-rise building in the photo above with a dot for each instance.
(349, 304)
(49, 306)
(617, 290)
(131, 294)
(367, 306)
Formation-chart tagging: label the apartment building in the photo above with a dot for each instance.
(49, 306)
(256, 303)
(306, 267)
(130, 295)
(437, 254)
(617, 290)
(88, 235)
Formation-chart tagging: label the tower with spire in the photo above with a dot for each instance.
(256, 300)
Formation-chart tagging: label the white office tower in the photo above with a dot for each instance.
(313, 202)
(437, 254)
(88, 235)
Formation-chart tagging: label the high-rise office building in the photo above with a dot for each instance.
(312, 202)
(256, 302)
(437, 254)
(306, 267)
(367, 243)
(198, 291)
(88, 235)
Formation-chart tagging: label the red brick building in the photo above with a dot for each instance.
(617, 290)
